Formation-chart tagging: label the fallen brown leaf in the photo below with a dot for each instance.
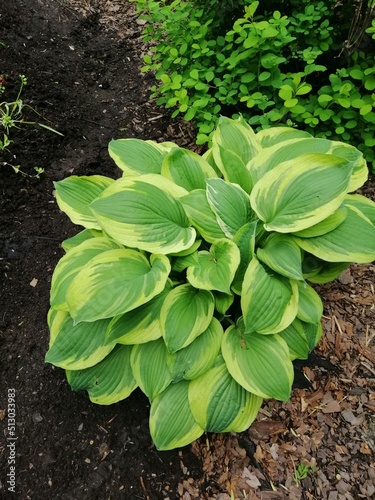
(266, 428)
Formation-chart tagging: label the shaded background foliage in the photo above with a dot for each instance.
(306, 64)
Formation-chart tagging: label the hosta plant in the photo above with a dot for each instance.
(191, 277)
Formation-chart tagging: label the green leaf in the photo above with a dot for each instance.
(201, 216)
(185, 314)
(259, 363)
(286, 92)
(365, 205)
(172, 424)
(71, 264)
(139, 325)
(79, 238)
(281, 253)
(114, 282)
(181, 263)
(223, 301)
(245, 241)
(290, 103)
(219, 403)
(136, 157)
(269, 303)
(352, 241)
(294, 148)
(325, 226)
(231, 205)
(109, 381)
(295, 336)
(199, 356)
(272, 136)
(215, 269)
(294, 196)
(304, 89)
(233, 167)
(233, 146)
(187, 169)
(328, 271)
(271, 60)
(310, 307)
(144, 215)
(74, 195)
(75, 347)
(149, 365)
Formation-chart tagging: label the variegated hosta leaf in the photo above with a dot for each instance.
(144, 215)
(293, 149)
(234, 144)
(115, 282)
(209, 157)
(233, 168)
(149, 365)
(199, 356)
(318, 271)
(187, 169)
(365, 205)
(136, 157)
(310, 307)
(325, 226)
(71, 264)
(269, 302)
(313, 333)
(179, 264)
(352, 241)
(360, 171)
(75, 347)
(301, 338)
(109, 381)
(223, 301)
(219, 403)
(245, 240)
(77, 239)
(201, 216)
(259, 363)
(282, 254)
(296, 195)
(172, 424)
(185, 314)
(294, 336)
(188, 251)
(74, 195)
(269, 137)
(230, 204)
(139, 325)
(215, 269)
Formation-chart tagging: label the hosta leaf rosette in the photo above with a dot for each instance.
(190, 277)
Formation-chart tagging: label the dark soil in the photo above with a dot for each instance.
(82, 59)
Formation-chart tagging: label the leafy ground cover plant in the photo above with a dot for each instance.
(192, 276)
(299, 65)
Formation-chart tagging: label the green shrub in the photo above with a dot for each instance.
(190, 277)
(279, 68)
